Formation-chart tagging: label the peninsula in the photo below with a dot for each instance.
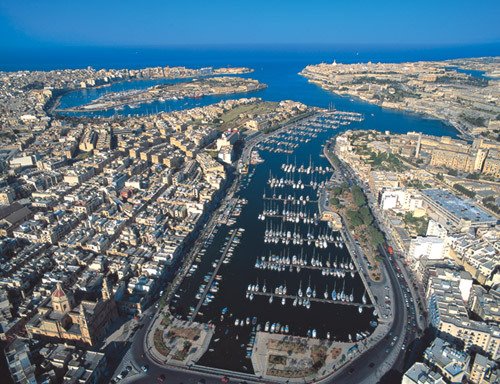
(176, 91)
(447, 90)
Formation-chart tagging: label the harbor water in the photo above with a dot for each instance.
(238, 296)
(235, 296)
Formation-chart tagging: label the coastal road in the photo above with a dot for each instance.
(386, 353)
(380, 358)
(373, 362)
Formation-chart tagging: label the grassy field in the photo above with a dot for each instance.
(232, 118)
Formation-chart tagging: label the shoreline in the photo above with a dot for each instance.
(81, 109)
(460, 131)
(53, 110)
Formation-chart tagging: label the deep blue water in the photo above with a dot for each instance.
(278, 67)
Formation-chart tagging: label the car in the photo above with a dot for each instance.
(371, 365)
(395, 338)
(128, 368)
(144, 368)
(119, 377)
(161, 378)
(351, 371)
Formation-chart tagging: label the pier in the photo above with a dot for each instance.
(209, 283)
(313, 299)
(289, 200)
(267, 264)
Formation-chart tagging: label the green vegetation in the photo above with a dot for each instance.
(354, 218)
(376, 237)
(163, 300)
(363, 216)
(415, 183)
(467, 192)
(417, 224)
(382, 161)
(165, 321)
(473, 176)
(366, 215)
(160, 343)
(335, 202)
(475, 121)
(440, 176)
(358, 196)
(233, 118)
(180, 355)
(337, 191)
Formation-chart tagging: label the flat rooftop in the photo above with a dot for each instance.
(458, 207)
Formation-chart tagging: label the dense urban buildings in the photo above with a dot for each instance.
(170, 224)
(446, 233)
(96, 212)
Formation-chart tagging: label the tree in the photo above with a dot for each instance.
(488, 199)
(335, 201)
(354, 218)
(473, 176)
(358, 196)
(366, 215)
(337, 191)
(467, 192)
(376, 237)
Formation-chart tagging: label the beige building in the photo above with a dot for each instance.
(62, 320)
(449, 316)
(483, 371)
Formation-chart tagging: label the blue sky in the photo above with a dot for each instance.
(28, 23)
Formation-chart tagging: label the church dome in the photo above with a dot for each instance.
(58, 291)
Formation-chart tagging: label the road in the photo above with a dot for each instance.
(378, 359)
(383, 356)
